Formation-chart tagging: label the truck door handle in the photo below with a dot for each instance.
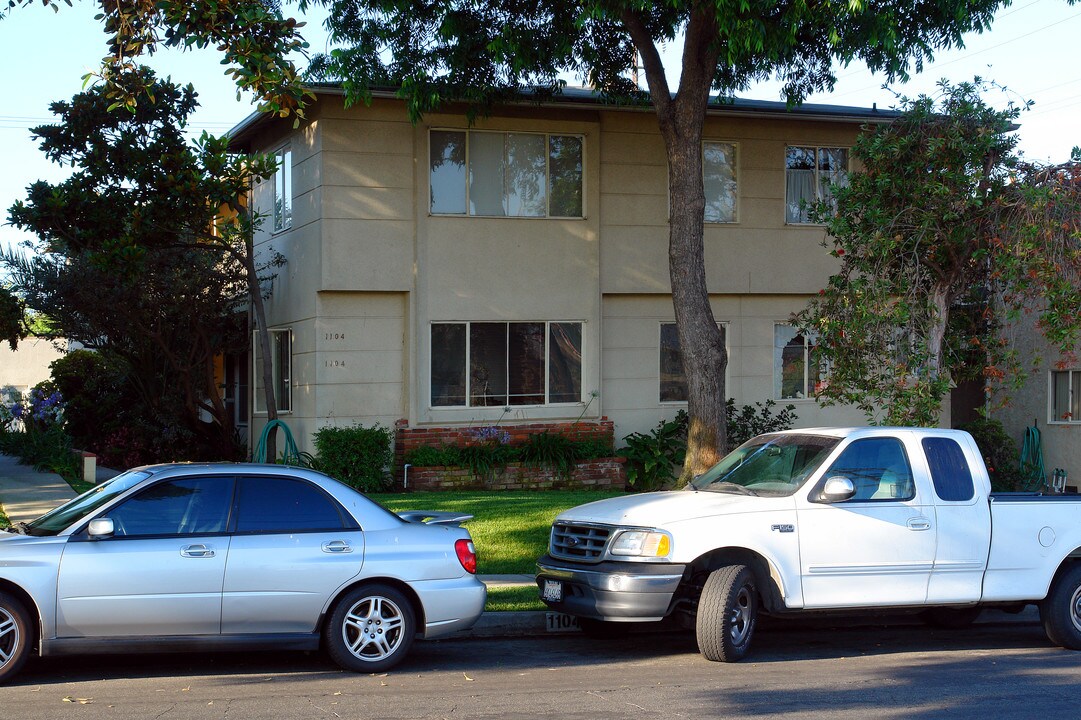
(919, 523)
(337, 546)
(197, 551)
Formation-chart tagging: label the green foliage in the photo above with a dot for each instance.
(943, 237)
(999, 452)
(551, 450)
(544, 449)
(653, 460)
(99, 402)
(512, 598)
(12, 318)
(46, 448)
(356, 455)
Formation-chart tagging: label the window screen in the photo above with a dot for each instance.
(949, 469)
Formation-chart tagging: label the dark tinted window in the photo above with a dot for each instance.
(879, 469)
(176, 507)
(949, 469)
(269, 504)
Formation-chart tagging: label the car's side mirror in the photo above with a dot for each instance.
(100, 528)
(837, 489)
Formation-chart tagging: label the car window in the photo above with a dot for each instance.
(275, 504)
(949, 469)
(185, 506)
(879, 469)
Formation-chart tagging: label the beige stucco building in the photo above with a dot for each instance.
(517, 269)
(28, 365)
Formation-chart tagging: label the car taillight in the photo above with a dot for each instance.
(467, 555)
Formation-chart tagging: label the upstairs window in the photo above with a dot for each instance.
(809, 173)
(496, 174)
(283, 190)
(483, 364)
(719, 179)
(1066, 396)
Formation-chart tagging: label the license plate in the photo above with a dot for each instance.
(552, 591)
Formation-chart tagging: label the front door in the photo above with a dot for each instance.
(161, 572)
(877, 548)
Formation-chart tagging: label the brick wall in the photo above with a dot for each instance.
(601, 473)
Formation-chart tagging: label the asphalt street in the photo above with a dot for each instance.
(991, 670)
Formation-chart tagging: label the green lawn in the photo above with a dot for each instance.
(510, 528)
(513, 598)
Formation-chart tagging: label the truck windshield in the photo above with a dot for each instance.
(75, 510)
(769, 465)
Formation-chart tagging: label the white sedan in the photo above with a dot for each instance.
(197, 557)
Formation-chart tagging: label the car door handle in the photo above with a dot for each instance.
(919, 523)
(197, 551)
(337, 546)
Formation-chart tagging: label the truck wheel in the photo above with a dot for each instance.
(1061, 609)
(15, 640)
(370, 629)
(951, 618)
(727, 614)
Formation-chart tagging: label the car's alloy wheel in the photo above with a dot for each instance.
(371, 629)
(14, 635)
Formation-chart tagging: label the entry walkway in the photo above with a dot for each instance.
(26, 493)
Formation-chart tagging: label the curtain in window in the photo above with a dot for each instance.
(565, 362)
(719, 180)
(446, 165)
(486, 151)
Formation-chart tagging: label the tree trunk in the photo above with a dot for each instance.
(681, 119)
(259, 313)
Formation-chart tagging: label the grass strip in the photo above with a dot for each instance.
(513, 598)
(510, 528)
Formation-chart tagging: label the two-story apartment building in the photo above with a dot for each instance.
(517, 269)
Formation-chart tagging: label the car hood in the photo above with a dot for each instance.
(658, 509)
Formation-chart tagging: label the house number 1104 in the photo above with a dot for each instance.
(334, 336)
(334, 363)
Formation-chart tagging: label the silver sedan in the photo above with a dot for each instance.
(197, 557)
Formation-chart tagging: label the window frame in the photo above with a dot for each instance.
(737, 155)
(817, 176)
(282, 186)
(1073, 391)
(809, 393)
(547, 173)
(722, 324)
(468, 375)
(285, 380)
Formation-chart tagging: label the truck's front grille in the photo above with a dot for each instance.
(578, 541)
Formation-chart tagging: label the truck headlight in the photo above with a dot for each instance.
(642, 543)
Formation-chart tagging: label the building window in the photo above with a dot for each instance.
(795, 376)
(480, 364)
(283, 190)
(281, 370)
(809, 173)
(1066, 396)
(498, 174)
(673, 384)
(719, 179)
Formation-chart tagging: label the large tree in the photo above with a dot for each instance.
(484, 51)
(946, 239)
(145, 249)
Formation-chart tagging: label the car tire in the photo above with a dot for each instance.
(727, 614)
(951, 618)
(1061, 609)
(15, 635)
(371, 628)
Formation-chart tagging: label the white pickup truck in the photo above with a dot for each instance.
(833, 519)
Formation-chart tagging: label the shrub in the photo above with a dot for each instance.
(752, 420)
(999, 452)
(99, 403)
(359, 456)
(552, 450)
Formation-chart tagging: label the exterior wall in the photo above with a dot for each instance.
(369, 269)
(26, 367)
(1032, 402)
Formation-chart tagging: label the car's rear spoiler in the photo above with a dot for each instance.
(434, 517)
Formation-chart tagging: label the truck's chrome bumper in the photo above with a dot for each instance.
(612, 590)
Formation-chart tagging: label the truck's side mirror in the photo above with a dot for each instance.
(836, 489)
(100, 528)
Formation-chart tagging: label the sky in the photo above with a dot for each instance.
(1030, 50)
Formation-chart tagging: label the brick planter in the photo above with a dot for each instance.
(599, 474)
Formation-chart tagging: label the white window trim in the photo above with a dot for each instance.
(724, 324)
(737, 172)
(1052, 419)
(547, 176)
(784, 168)
(256, 384)
(285, 174)
(468, 379)
(809, 396)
